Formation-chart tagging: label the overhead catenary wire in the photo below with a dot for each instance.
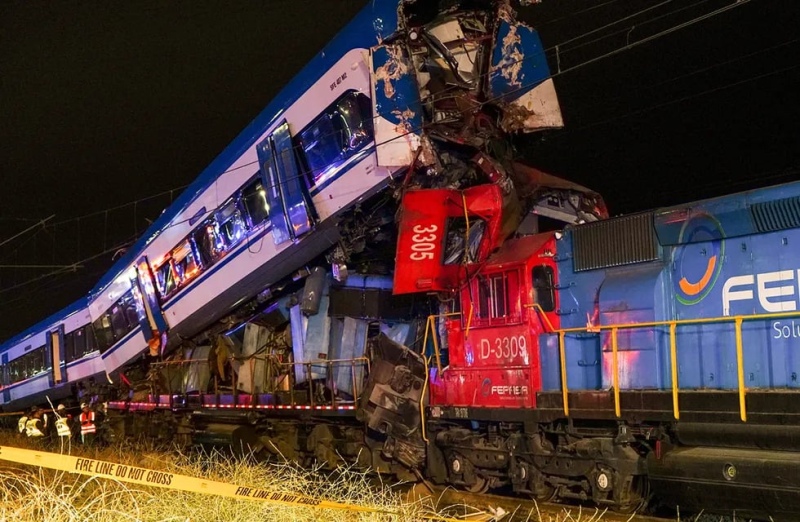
(420, 128)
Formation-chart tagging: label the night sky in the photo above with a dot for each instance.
(104, 104)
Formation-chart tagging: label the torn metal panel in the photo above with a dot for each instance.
(350, 342)
(535, 110)
(198, 373)
(396, 105)
(556, 197)
(252, 373)
(520, 77)
(454, 52)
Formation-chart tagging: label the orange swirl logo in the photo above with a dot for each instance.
(701, 237)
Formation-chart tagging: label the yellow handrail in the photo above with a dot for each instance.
(707, 320)
(431, 325)
(563, 357)
(615, 370)
(740, 368)
(542, 316)
(673, 357)
(673, 324)
(422, 400)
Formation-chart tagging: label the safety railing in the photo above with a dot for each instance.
(673, 325)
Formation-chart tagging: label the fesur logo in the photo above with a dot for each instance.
(486, 387)
(697, 262)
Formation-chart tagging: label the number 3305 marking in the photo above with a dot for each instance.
(423, 242)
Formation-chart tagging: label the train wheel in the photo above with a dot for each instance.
(636, 495)
(480, 486)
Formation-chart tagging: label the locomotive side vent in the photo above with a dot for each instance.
(776, 215)
(614, 242)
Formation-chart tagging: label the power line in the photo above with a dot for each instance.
(39, 224)
(420, 128)
(679, 100)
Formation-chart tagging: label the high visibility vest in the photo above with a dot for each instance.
(62, 428)
(87, 423)
(33, 428)
(23, 422)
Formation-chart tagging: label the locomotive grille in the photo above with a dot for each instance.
(614, 242)
(776, 215)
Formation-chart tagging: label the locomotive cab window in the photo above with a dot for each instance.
(458, 235)
(543, 279)
(498, 301)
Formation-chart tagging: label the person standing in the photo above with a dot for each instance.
(35, 426)
(22, 424)
(88, 424)
(64, 423)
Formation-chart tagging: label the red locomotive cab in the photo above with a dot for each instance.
(507, 307)
(441, 229)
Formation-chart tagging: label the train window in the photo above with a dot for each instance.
(119, 325)
(35, 362)
(185, 262)
(491, 297)
(165, 279)
(231, 226)
(91, 341)
(544, 288)
(103, 332)
(498, 299)
(69, 346)
(343, 129)
(209, 247)
(254, 199)
(498, 302)
(454, 241)
(123, 316)
(75, 344)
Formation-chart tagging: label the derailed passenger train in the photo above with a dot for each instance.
(405, 95)
(362, 277)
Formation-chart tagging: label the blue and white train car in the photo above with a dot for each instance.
(42, 362)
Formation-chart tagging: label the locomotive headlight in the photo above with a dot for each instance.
(603, 481)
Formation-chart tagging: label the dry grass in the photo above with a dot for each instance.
(31, 494)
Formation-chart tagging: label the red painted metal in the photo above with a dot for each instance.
(493, 346)
(425, 220)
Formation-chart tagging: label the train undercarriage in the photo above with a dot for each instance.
(624, 464)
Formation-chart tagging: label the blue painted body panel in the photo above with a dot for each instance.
(518, 62)
(396, 93)
(720, 258)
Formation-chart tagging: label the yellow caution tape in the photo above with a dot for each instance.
(163, 479)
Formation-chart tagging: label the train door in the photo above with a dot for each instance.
(148, 308)
(290, 210)
(55, 354)
(4, 377)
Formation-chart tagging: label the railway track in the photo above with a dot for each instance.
(487, 507)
